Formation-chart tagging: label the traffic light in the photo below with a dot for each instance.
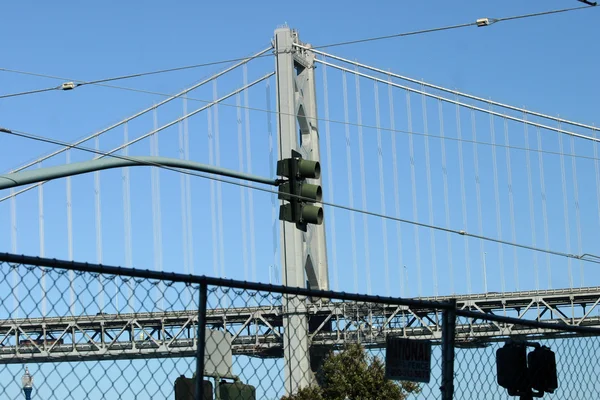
(297, 210)
(236, 391)
(542, 370)
(186, 387)
(511, 367)
(521, 373)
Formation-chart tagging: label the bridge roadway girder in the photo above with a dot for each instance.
(258, 331)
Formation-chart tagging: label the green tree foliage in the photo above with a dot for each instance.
(355, 375)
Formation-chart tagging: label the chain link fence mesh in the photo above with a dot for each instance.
(99, 335)
(477, 342)
(93, 336)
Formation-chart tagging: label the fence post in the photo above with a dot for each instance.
(448, 335)
(201, 340)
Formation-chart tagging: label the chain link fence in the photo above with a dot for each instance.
(480, 339)
(81, 331)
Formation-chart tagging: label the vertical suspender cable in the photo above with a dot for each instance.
(350, 189)
(219, 183)
(213, 210)
(429, 194)
(497, 201)
(386, 261)
(188, 198)
(463, 199)
(478, 191)
(184, 217)
(597, 167)
(249, 170)
(274, 205)
(127, 219)
(330, 210)
(13, 243)
(42, 242)
(531, 211)
(240, 138)
(156, 215)
(188, 192)
(396, 186)
(363, 184)
(577, 211)
(544, 205)
(70, 237)
(511, 203)
(565, 206)
(98, 205)
(413, 181)
(446, 197)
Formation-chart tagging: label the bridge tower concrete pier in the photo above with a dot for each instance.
(303, 254)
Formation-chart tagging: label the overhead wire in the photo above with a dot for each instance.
(538, 150)
(182, 95)
(584, 257)
(145, 135)
(78, 83)
(447, 100)
(5, 96)
(480, 22)
(148, 109)
(388, 73)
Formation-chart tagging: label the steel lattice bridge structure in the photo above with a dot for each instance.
(258, 331)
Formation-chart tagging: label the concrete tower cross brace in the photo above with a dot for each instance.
(301, 253)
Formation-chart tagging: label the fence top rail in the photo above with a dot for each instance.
(206, 280)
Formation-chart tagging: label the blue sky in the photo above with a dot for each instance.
(545, 64)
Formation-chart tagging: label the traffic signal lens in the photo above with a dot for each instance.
(312, 214)
(309, 169)
(312, 192)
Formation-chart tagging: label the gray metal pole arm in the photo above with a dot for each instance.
(45, 174)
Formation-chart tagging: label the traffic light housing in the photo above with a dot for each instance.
(298, 193)
(521, 373)
(542, 370)
(236, 391)
(511, 367)
(186, 387)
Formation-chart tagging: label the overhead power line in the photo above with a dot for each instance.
(364, 66)
(480, 23)
(77, 83)
(584, 257)
(4, 96)
(171, 96)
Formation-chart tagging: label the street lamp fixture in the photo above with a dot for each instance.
(27, 381)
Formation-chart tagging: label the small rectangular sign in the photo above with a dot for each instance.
(408, 360)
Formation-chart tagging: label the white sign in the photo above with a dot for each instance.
(408, 360)
(217, 354)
